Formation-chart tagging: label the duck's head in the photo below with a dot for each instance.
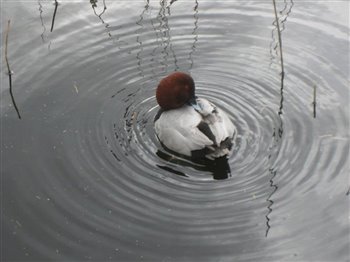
(175, 90)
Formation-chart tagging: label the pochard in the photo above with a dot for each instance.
(189, 125)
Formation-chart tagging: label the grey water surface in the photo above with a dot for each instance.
(83, 176)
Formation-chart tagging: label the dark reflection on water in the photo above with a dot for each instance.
(42, 21)
(83, 176)
(100, 14)
(219, 168)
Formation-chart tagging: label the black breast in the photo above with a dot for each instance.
(160, 111)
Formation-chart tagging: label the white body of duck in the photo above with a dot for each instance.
(200, 130)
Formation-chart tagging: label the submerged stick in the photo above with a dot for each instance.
(9, 70)
(314, 102)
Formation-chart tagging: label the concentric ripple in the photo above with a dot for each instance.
(84, 176)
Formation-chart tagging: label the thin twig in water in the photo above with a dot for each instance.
(281, 55)
(314, 102)
(279, 36)
(54, 15)
(9, 70)
(280, 129)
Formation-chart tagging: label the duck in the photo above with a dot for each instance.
(189, 125)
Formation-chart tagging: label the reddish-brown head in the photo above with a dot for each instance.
(175, 90)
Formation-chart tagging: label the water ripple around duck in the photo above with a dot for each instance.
(93, 172)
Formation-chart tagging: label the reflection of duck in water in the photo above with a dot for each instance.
(188, 125)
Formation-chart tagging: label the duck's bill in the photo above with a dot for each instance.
(194, 104)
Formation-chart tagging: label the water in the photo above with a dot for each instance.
(83, 176)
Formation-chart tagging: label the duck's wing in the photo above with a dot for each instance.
(215, 123)
(178, 130)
